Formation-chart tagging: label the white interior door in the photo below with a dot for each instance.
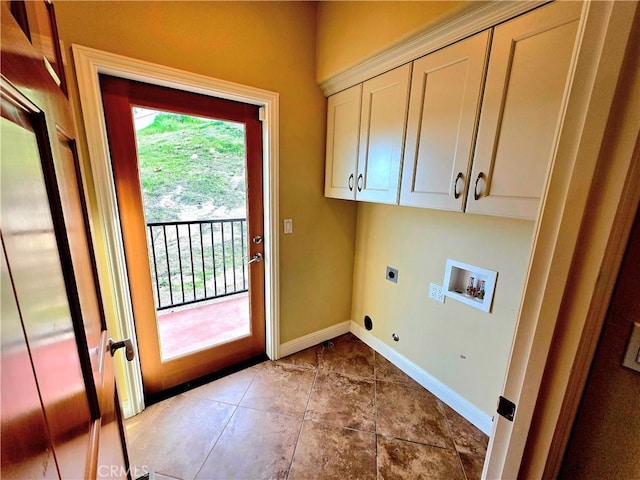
(604, 31)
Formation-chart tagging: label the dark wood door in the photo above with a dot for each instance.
(119, 97)
(60, 413)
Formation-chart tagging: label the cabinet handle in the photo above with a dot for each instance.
(456, 193)
(360, 182)
(351, 182)
(476, 195)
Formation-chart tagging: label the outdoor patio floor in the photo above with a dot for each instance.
(197, 326)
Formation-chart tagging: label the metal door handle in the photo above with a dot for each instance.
(112, 346)
(256, 258)
(350, 182)
(360, 182)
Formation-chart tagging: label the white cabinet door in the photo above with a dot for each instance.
(446, 87)
(343, 125)
(521, 110)
(382, 128)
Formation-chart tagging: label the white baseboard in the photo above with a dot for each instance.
(314, 338)
(460, 404)
(127, 409)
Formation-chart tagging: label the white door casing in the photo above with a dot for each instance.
(112, 273)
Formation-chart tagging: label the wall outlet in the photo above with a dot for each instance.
(435, 292)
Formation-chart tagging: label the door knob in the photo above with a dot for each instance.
(112, 346)
(256, 258)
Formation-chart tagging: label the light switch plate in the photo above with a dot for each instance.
(288, 226)
(632, 356)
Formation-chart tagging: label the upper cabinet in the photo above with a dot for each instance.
(522, 109)
(365, 138)
(474, 142)
(343, 127)
(382, 128)
(446, 89)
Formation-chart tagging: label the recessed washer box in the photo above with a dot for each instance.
(469, 284)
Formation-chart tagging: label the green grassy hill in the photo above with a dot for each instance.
(191, 168)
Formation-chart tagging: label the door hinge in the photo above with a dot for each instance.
(262, 114)
(506, 408)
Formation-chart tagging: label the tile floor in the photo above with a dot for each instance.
(340, 412)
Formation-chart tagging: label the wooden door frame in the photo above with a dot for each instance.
(89, 64)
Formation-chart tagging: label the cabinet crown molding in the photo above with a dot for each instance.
(468, 22)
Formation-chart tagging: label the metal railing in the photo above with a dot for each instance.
(197, 261)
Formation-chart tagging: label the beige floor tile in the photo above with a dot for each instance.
(254, 445)
(345, 394)
(159, 476)
(472, 465)
(280, 388)
(348, 358)
(411, 413)
(328, 452)
(308, 357)
(388, 372)
(178, 437)
(467, 438)
(138, 424)
(343, 401)
(402, 459)
(229, 389)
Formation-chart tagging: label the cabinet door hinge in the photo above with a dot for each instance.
(506, 408)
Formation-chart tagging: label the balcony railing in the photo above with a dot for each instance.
(196, 261)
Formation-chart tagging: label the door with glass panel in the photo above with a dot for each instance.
(188, 177)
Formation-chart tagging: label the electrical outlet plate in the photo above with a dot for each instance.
(632, 355)
(436, 293)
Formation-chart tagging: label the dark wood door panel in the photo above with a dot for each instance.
(49, 255)
(32, 253)
(29, 453)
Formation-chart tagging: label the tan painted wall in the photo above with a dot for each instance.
(419, 241)
(349, 32)
(437, 336)
(270, 45)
